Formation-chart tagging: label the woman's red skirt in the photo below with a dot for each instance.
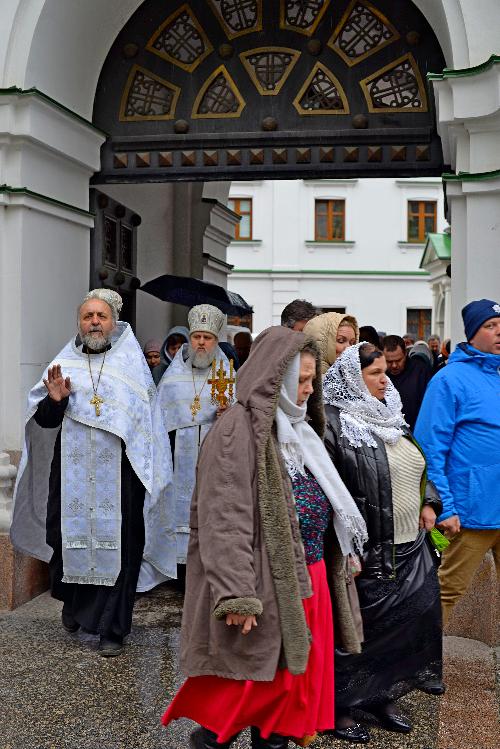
(294, 706)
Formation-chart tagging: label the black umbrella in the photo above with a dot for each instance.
(192, 291)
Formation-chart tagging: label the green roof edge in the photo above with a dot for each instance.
(334, 272)
(440, 240)
(46, 199)
(464, 72)
(470, 176)
(36, 92)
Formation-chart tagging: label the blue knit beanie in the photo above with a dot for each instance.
(476, 313)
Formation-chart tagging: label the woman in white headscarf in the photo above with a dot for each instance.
(384, 469)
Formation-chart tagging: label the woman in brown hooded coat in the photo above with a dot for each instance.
(255, 558)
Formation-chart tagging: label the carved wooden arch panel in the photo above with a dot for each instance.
(224, 89)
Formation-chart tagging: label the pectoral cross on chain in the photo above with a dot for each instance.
(96, 402)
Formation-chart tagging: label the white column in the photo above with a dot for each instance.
(435, 305)
(7, 475)
(474, 204)
(447, 312)
(468, 110)
(47, 156)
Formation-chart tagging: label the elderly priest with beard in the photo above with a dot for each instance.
(186, 404)
(91, 493)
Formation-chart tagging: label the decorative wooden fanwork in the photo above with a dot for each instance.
(238, 17)
(148, 97)
(181, 40)
(269, 67)
(218, 97)
(362, 31)
(252, 89)
(397, 87)
(302, 16)
(321, 94)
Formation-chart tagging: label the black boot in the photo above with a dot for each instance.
(202, 738)
(275, 741)
(390, 718)
(433, 686)
(67, 619)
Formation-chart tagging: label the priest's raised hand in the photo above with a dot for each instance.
(59, 387)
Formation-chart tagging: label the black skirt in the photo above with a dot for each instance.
(403, 632)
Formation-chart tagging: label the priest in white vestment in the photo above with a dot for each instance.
(187, 408)
(91, 497)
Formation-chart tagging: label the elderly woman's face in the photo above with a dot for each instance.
(375, 377)
(306, 377)
(345, 337)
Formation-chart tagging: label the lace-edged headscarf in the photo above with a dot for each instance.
(361, 414)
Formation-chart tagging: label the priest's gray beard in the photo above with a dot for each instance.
(93, 342)
(200, 359)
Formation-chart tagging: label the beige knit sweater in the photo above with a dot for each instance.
(406, 465)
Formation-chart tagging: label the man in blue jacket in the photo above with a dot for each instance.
(459, 430)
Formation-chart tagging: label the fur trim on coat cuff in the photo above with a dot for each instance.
(241, 606)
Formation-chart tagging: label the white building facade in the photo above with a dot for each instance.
(371, 269)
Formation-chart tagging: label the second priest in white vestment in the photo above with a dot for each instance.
(184, 397)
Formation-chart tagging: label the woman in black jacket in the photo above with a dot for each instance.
(384, 470)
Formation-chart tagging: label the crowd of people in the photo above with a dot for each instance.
(328, 514)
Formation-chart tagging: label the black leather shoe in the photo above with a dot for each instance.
(391, 721)
(275, 741)
(356, 734)
(68, 622)
(435, 687)
(109, 648)
(202, 738)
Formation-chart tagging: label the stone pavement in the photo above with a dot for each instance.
(57, 693)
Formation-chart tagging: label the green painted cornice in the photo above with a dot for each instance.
(8, 190)
(471, 176)
(14, 90)
(309, 271)
(464, 72)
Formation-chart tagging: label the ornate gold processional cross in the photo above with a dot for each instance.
(220, 383)
(96, 402)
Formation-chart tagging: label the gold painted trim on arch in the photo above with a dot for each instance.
(376, 12)
(324, 112)
(295, 53)
(421, 88)
(138, 118)
(169, 58)
(307, 32)
(203, 90)
(234, 34)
